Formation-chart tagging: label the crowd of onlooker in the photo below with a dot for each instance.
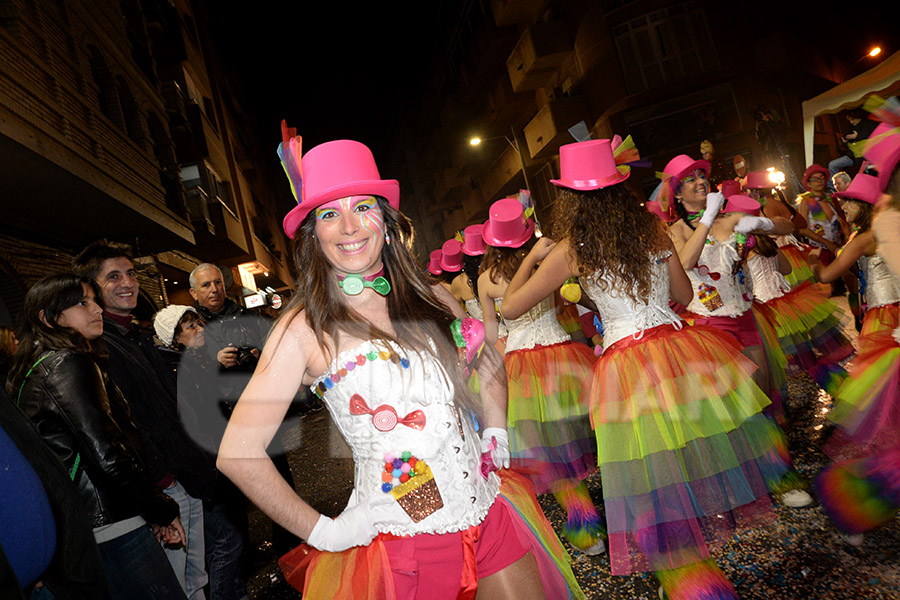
(110, 437)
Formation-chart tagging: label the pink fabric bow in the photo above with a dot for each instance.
(384, 417)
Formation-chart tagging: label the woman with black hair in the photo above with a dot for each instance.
(57, 380)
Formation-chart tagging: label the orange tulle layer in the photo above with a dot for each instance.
(881, 318)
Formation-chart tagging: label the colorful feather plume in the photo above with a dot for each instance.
(289, 151)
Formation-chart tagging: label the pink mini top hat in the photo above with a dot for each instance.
(729, 188)
(758, 180)
(883, 151)
(451, 255)
(473, 243)
(812, 170)
(863, 187)
(588, 165)
(336, 170)
(434, 263)
(745, 204)
(682, 165)
(507, 226)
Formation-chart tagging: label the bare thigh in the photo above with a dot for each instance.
(520, 580)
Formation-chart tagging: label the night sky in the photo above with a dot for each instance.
(344, 70)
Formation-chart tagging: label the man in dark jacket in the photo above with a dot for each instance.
(178, 465)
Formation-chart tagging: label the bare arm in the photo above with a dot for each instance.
(487, 308)
(527, 289)
(784, 265)
(688, 243)
(449, 301)
(680, 288)
(887, 231)
(492, 382)
(256, 418)
(858, 246)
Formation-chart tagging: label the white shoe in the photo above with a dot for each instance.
(596, 549)
(796, 499)
(855, 539)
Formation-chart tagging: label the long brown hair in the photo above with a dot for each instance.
(611, 233)
(416, 313)
(52, 295)
(504, 262)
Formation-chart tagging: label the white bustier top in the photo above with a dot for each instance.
(425, 422)
(718, 258)
(536, 327)
(473, 309)
(881, 288)
(768, 282)
(622, 316)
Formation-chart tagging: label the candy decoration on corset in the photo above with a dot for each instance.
(384, 417)
(709, 296)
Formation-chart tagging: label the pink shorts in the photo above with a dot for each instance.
(743, 328)
(432, 566)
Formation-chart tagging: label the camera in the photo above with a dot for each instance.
(245, 357)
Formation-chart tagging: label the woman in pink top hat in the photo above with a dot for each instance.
(862, 490)
(428, 516)
(668, 488)
(550, 432)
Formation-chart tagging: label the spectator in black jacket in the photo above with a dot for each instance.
(83, 418)
(178, 465)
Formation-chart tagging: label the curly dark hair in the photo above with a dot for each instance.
(611, 233)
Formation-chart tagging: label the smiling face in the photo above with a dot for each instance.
(85, 317)
(693, 190)
(351, 234)
(851, 209)
(119, 285)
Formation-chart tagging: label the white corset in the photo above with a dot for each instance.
(473, 309)
(536, 327)
(408, 382)
(768, 282)
(622, 316)
(881, 288)
(719, 257)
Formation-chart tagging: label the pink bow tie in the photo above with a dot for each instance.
(384, 417)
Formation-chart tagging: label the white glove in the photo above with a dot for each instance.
(500, 454)
(714, 202)
(356, 526)
(748, 224)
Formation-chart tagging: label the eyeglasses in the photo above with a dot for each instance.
(816, 178)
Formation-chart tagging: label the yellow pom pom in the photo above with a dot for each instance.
(570, 292)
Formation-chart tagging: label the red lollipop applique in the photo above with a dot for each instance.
(384, 417)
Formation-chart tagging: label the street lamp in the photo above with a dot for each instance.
(514, 144)
(870, 54)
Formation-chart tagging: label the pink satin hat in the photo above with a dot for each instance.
(336, 170)
(588, 165)
(812, 170)
(758, 180)
(507, 226)
(681, 165)
(451, 255)
(473, 243)
(745, 204)
(729, 188)
(864, 187)
(884, 153)
(434, 262)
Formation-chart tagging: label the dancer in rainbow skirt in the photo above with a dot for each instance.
(685, 453)
(862, 489)
(550, 432)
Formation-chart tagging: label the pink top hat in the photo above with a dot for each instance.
(810, 171)
(336, 170)
(758, 180)
(681, 165)
(729, 188)
(507, 226)
(473, 243)
(434, 263)
(884, 153)
(588, 165)
(745, 204)
(863, 187)
(451, 255)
